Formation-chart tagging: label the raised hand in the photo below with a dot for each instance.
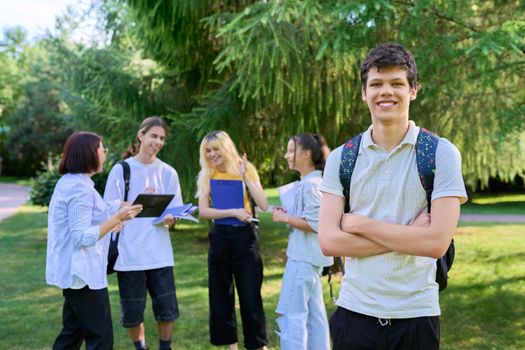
(243, 162)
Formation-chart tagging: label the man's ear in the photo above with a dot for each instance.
(363, 93)
(414, 91)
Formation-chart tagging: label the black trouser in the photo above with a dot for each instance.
(86, 316)
(234, 255)
(354, 331)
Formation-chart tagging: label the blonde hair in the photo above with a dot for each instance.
(229, 153)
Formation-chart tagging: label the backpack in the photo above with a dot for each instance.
(426, 146)
(337, 266)
(113, 243)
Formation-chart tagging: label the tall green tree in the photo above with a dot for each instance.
(35, 121)
(264, 70)
(296, 64)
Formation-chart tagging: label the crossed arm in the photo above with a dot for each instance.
(357, 236)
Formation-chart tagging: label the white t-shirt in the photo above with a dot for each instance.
(385, 186)
(143, 246)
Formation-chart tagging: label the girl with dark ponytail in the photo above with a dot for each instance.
(301, 314)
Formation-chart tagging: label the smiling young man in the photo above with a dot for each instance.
(389, 297)
(145, 261)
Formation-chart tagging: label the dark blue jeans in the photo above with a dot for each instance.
(233, 256)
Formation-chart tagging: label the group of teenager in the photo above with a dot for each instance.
(388, 297)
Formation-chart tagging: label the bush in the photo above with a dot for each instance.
(43, 184)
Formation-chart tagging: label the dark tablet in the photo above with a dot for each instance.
(153, 205)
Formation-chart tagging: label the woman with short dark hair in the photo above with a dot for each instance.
(78, 221)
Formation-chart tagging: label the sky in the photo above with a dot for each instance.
(34, 15)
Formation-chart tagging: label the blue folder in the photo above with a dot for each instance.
(183, 212)
(227, 194)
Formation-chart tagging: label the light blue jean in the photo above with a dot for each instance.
(301, 312)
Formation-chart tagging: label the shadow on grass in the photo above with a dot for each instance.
(481, 312)
(510, 207)
(507, 258)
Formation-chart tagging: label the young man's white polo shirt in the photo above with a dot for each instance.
(385, 186)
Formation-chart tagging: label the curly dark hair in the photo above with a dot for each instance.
(388, 55)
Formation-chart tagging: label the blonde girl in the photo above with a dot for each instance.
(233, 254)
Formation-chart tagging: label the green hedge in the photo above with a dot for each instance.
(43, 184)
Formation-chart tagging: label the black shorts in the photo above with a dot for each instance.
(161, 287)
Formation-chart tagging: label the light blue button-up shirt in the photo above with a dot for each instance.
(304, 246)
(74, 250)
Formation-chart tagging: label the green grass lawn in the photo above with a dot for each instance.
(22, 181)
(483, 308)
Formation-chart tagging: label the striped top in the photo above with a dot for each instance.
(74, 250)
(385, 186)
(304, 246)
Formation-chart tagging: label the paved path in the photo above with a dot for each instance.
(11, 197)
(492, 218)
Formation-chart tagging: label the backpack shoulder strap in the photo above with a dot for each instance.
(426, 146)
(346, 168)
(126, 172)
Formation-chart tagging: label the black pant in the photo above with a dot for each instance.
(354, 331)
(234, 254)
(86, 316)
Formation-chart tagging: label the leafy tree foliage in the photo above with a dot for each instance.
(280, 67)
(264, 70)
(36, 122)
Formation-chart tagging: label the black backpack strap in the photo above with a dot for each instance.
(426, 146)
(126, 173)
(113, 243)
(349, 155)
